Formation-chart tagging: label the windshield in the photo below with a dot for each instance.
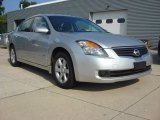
(73, 24)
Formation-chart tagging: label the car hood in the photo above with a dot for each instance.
(105, 40)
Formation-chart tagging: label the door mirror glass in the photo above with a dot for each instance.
(42, 30)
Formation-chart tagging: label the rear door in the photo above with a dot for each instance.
(21, 38)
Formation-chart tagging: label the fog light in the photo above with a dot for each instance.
(104, 73)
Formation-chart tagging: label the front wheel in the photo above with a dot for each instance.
(62, 70)
(13, 57)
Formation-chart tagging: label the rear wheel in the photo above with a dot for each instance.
(62, 70)
(13, 57)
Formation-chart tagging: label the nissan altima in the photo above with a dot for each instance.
(75, 49)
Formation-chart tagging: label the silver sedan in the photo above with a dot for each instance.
(75, 49)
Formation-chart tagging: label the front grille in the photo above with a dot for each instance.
(129, 51)
(121, 73)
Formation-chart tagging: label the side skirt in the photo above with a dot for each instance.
(47, 68)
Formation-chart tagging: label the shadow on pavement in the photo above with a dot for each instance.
(38, 71)
(104, 86)
(2, 47)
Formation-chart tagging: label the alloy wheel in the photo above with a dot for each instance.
(13, 56)
(62, 70)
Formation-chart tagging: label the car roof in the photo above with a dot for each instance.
(46, 15)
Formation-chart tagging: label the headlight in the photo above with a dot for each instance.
(91, 48)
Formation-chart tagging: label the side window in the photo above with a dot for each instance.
(25, 26)
(98, 21)
(121, 20)
(39, 22)
(109, 21)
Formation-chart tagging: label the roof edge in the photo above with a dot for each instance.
(46, 3)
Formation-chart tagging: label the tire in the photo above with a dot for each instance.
(13, 57)
(62, 70)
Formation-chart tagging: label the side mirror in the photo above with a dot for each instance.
(42, 30)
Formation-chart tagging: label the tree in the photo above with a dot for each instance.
(1, 2)
(33, 3)
(3, 24)
(3, 19)
(1, 8)
(25, 3)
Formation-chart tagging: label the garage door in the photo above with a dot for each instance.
(113, 21)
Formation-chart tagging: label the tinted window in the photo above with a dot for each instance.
(26, 26)
(121, 20)
(73, 24)
(98, 21)
(109, 21)
(39, 22)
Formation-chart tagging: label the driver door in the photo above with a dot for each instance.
(39, 42)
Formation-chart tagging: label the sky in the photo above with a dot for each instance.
(12, 5)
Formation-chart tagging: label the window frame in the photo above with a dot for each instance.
(30, 26)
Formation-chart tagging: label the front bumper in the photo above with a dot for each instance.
(87, 69)
(122, 78)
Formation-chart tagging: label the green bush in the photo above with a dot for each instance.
(3, 24)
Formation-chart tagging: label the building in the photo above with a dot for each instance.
(135, 18)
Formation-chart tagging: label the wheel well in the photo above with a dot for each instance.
(60, 49)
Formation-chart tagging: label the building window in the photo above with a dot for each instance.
(98, 21)
(121, 20)
(109, 21)
(18, 22)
